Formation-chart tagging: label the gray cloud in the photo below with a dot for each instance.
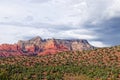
(95, 20)
(107, 31)
(110, 31)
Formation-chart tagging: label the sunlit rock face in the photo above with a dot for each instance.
(7, 50)
(38, 46)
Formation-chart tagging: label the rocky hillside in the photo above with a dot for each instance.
(97, 64)
(38, 46)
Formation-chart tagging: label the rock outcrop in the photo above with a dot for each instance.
(38, 46)
(7, 50)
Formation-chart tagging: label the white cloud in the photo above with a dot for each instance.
(11, 34)
(77, 34)
(98, 44)
(72, 13)
(113, 10)
(66, 12)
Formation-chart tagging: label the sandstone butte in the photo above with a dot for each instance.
(38, 46)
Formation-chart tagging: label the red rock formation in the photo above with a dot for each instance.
(49, 51)
(42, 47)
(9, 47)
(30, 48)
(51, 44)
(7, 50)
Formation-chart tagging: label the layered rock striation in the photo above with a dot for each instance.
(38, 46)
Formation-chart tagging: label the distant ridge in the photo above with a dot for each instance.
(38, 46)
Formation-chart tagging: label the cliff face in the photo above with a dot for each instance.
(37, 46)
(7, 50)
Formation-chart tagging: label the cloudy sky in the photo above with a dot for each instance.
(98, 21)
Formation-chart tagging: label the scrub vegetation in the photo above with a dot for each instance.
(97, 64)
